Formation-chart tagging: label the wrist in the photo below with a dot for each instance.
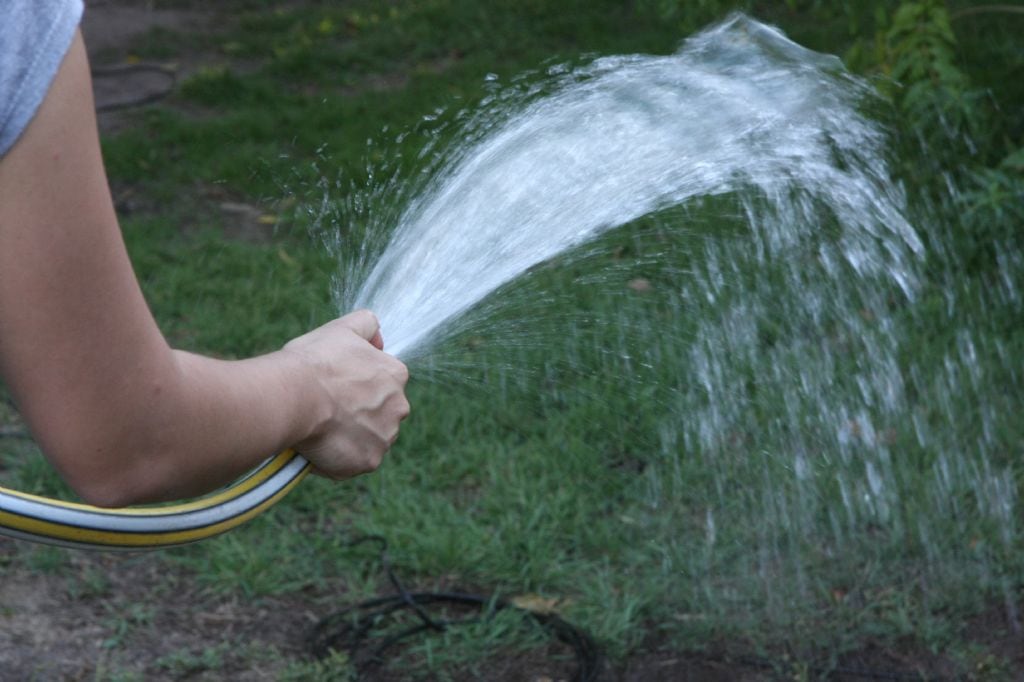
(308, 400)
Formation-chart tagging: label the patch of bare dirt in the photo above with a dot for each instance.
(104, 613)
(111, 29)
(111, 25)
(86, 616)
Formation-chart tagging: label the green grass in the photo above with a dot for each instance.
(540, 460)
(227, 296)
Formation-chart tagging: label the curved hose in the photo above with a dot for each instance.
(70, 524)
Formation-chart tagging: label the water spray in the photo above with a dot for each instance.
(739, 109)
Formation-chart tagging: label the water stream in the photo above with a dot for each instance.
(739, 107)
(796, 380)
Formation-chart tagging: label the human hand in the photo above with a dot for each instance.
(362, 395)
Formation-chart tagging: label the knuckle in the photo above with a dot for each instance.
(396, 371)
(373, 461)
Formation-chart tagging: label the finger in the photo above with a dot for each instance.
(400, 372)
(316, 471)
(364, 323)
(403, 409)
(377, 341)
(339, 476)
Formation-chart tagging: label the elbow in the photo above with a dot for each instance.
(113, 448)
(101, 487)
(115, 491)
(98, 494)
(99, 476)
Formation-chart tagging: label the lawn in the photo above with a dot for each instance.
(707, 488)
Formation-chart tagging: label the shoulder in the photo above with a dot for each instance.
(34, 37)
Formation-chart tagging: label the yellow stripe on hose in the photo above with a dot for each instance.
(51, 529)
(246, 484)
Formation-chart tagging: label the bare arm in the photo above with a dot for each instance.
(123, 416)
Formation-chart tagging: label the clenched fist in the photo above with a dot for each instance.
(362, 397)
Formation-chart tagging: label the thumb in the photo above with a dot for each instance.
(365, 324)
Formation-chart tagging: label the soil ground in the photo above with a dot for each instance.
(132, 616)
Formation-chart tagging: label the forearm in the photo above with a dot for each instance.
(212, 421)
(175, 425)
(228, 416)
(182, 424)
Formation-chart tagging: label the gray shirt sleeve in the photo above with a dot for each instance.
(34, 37)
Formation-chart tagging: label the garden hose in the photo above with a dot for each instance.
(70, 524)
